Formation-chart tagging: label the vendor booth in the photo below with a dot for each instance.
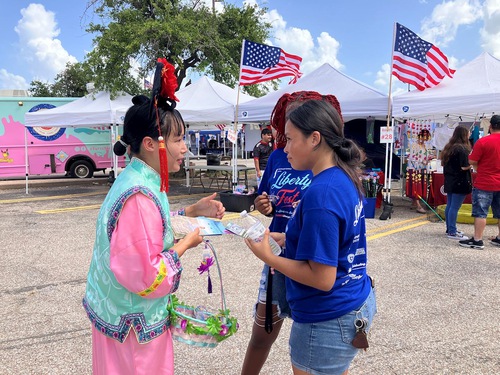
(470, 97)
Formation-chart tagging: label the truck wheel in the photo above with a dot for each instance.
(82, 169)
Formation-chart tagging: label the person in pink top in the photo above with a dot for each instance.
(485, 160)
(135, 262)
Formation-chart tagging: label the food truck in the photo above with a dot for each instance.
(74, 151)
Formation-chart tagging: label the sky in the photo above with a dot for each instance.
(355, 36)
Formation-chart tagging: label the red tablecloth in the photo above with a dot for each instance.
(430, 187)
(439, 195)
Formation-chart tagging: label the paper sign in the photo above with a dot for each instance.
(386, 134)
(232, 135)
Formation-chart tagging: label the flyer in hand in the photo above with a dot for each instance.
(183, 225)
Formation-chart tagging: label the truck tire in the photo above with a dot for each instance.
(81, 169)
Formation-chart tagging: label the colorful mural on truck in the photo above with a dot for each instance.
(75, 151)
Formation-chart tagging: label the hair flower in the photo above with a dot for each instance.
(168, 80)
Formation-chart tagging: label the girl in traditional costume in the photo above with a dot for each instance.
(135, 263)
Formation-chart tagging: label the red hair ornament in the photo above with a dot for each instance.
(167, 82)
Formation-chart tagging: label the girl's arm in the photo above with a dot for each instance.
(138, 259)
(310, 273)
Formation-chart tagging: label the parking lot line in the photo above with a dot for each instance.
(401, 229)
(35, 199)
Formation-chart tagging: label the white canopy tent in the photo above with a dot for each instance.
(206, 103)
(473, 91)
(357, 100)
(89, 111)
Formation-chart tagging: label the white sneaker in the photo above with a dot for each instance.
(458, 231)
(457, 236)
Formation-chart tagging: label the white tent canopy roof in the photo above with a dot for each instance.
(206, 102)
(90, 110)
(473, 91)
(357, 100)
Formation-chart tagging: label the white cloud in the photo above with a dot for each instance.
(12, 81)
(441, 27)
(382, 81)
(490, 33)
(300, 42)
(40, 48)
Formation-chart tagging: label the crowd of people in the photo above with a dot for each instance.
(309, 184)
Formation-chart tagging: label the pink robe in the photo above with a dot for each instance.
(136, 246)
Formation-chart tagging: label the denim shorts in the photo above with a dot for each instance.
(279, 292)
(325, 347)
(481, 202)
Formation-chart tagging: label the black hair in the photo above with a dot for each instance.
(424, 133)
(265, 131)
(321, 116)
(459, 140)
(495, 122)
(140, 122)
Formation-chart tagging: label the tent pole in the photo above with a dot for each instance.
(387, 173)
(389, 178)
(26, 166)
(186, 160)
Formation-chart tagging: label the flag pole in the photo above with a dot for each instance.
(388, 177)
(235, 128)
(235, 144)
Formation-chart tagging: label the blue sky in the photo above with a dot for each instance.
(354, 36)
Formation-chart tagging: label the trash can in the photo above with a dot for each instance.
(237, 202)
(213, 159)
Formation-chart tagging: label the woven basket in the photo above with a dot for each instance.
(196, 325)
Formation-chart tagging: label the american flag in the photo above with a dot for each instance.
(220, 126)
(261, 63)
(418, 62)
(147, 85)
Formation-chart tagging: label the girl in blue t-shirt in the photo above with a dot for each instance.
(327, 287)
(281, 189)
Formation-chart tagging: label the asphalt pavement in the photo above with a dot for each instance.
(437, 302)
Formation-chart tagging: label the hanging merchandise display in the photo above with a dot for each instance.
(370, 129)
(419, 177)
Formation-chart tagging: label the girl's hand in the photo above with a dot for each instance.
(263, 204)
(192, 239)
(262, 249)
(208, 207)
(279, 238)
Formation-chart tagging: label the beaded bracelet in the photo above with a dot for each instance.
(181, 212)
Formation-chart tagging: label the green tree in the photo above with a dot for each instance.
(40, 89)
(187, 33)
(71, 82)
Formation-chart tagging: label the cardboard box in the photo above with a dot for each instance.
(238, 202)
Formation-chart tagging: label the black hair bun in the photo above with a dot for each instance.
(119, 148)
(140, 99)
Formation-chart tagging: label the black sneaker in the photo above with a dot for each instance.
(473, 244)
(495, 241)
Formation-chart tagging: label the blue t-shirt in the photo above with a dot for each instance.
(288, 184)
(328, 227)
